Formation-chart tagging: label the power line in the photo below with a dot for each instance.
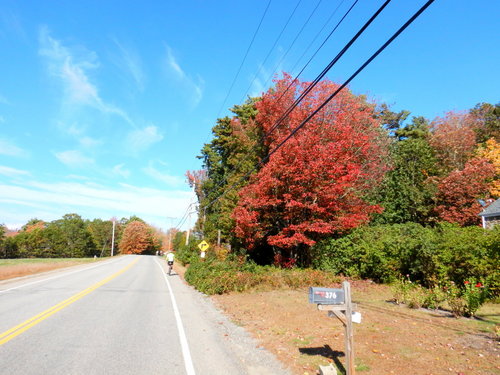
(327, 68)
(318, 34)
(184, 217)
(293, 42)
(361, 68)
(318, 78)
(270, 50)
(319, 48)
(244, 58)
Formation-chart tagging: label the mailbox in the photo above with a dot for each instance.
(326, 296)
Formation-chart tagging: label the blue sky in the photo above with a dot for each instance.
(104, 105)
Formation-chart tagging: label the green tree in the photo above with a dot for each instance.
(234, 152)
(407, 192)
(487, 121)
(9, 248)
(101, 232)
(70, 237)
(3, 230)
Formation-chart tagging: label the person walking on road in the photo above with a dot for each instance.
(170, 261)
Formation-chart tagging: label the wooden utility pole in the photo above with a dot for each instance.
(113, 237)
(349, 336)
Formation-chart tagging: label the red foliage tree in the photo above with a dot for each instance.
(454, 139)
(315, 184)
(458, 192)
(138, 238)
(195, 179)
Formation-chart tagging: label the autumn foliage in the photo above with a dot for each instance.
(138, 238)
(454, 139)
(316, 183)
(491, 152)
(458, 193)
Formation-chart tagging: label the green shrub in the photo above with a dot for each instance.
(187, 254)
(236, 274)
(430, 256)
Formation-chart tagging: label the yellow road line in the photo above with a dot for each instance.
(24, 326)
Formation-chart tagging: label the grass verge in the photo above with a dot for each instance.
(11, 268)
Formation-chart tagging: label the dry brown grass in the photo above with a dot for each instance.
(25, 269)
(390, 340)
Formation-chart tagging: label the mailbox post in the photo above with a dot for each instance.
(338, 303)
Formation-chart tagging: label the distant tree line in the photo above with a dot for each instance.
(73, 237)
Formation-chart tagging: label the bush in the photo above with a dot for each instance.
(187, 254)
(463, 301)
(236, 274)
(430, 256)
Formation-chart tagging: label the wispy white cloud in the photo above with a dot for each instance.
(12, 172)
(10, 149)
(141, 139)
(73, 158)
(72, 70)
(90, 200)
(130, 61)
(89, 142)
(78, 177)
(259, 82)
(174, 65)
(162, 175)
(194, 87)
(120, 170)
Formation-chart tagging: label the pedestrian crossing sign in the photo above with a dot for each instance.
(203, 245)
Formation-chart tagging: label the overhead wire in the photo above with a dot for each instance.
(244, 58)
(317, 35)
(335, 93)
(326, 69)
(270, 51)
(295, 104)
(317, 50)
(293, 43)
(184, 217)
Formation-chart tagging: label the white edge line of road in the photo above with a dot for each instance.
(58, 276)
(188, 362)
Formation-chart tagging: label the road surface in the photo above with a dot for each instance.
(120, 316)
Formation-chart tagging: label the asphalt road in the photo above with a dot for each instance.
(122, 316)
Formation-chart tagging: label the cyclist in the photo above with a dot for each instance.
(170, 261)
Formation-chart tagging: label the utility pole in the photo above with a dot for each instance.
(113, 237)
(170, 232)
(189, 226)
(190, 212)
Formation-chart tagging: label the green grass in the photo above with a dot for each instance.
(13, 262)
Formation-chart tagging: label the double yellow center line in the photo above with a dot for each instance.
(24, 326)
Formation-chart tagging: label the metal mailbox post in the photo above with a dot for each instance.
(338, 303)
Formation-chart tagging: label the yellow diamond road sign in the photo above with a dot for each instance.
(203, 245)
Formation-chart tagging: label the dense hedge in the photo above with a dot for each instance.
(235, 274)
(430, 256)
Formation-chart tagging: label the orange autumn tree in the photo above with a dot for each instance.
(138, 238)
(454, 140)
(491, 152)
(316, 184)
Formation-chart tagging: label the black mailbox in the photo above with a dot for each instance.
(326, 296)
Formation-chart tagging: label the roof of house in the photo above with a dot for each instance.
(492, 210)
